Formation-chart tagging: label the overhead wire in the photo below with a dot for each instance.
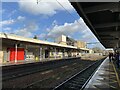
(70, 14)
(67, 11)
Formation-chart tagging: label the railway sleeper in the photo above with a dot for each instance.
(69, 85)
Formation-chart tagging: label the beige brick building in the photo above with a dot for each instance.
(80, 44)
(64, 40)
(61, 40)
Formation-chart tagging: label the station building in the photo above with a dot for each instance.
(18, 49)
(64, 40)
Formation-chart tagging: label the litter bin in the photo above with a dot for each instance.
(36, 58)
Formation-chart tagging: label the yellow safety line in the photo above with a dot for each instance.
(110, 86)
(96, 87)
(113, 87)
(116, 74)
(113, 82)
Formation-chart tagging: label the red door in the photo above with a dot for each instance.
(12, 54)
(20, 54)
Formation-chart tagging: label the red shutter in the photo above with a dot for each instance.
(12, 54)
(20, 54)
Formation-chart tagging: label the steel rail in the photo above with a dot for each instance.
(80, 73)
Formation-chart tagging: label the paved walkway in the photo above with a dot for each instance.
(105, 78)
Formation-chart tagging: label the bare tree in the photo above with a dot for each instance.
(35, 37)
(97, 50)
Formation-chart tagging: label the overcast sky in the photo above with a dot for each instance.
(47, 19)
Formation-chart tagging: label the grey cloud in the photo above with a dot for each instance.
(44, 7)
(27, 30)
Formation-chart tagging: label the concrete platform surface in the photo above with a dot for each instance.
(105, 78)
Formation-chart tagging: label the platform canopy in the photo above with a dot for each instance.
(103, 19)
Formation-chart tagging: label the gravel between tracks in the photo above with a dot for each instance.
(47, 79)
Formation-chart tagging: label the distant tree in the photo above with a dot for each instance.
(97, 50)
(35, 37)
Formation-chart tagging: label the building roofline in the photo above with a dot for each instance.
(30, 40)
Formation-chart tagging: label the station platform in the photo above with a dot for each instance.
(34, 61)
(105, 78)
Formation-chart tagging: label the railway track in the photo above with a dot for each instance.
(48, 77)
(12, 72)
(79, 80)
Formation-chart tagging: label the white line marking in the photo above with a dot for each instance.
(47, 72)
(74, 63)
(58, 78)
(64, 66)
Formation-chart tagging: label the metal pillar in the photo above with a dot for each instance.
(26, 48)
(15, 53)
(55, 53)
(71, 53)
(8, 56)
(40, 53)
(63, 53)
(67, 53)
(43, 52)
